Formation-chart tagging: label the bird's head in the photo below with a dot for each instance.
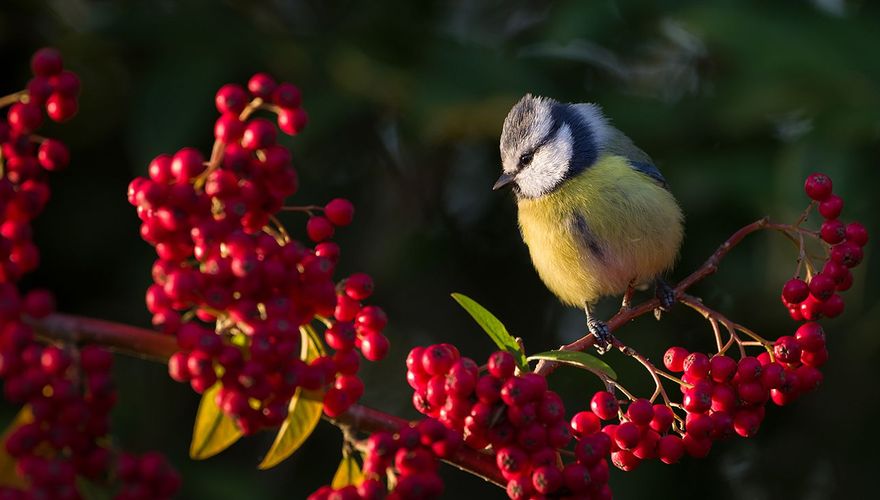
(544, 142)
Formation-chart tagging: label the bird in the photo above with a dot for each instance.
(594, 210)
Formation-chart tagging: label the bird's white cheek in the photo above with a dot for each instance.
(548, 167)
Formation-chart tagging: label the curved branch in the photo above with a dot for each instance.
(709, 267)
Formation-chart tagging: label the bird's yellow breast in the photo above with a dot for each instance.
(601, 230)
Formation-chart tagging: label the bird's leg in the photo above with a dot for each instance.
(665, 294)
(599, 330)
(626, 303)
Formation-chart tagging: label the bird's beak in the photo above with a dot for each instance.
(502, 181)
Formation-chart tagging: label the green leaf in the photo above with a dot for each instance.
(348, 473)
(304, 411)
(214, 431)
(579, 359)
(493, 326)
(8, 476)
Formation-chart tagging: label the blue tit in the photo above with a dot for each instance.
(595, 212)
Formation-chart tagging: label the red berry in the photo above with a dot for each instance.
(187, 164)
(512, 459)
(831, 207)
(696, 447)
(287, 95)
(61, 108)
(359, 286)
(833, 231)
(787, 349)
(856, 233)
(722, 368)
(696, 365)
(662, 419)
(814, 358)
(461, 380)
(627, 435)
(53, 155)
(374, 346)
(259, 133)
(228, 128)
(604, 405)
(746, 423)
(46, 62)
(231, 98)
(340, 211)
(66, 83)
(810, 336)
(54, 360)
(749, 368)
(576, 477)
(591, 449)
(519, 488)
(697, 399)
(177, 367)
(647, 447)
(24, 118)
(319, 228)
(795, 291)
(811, 309)
(822, 286)
(625, 460)
(847, 253)
(373, 318)
(336, 401)
(39, 89)
(640, 412)
(39, 303)
(674, 358)
(547, 479)
(501, 364)
(585, 423)
(292, 121)
(261, 85)
(818, 186)
(670, 449)
(833, 307)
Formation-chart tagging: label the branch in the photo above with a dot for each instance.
(621, 318)
(155, 346)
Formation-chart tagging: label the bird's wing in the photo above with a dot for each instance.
(617, 143)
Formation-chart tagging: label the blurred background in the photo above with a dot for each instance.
(736, 101)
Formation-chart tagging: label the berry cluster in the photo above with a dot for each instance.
(146, 477)
(69, 403)
(410, 456)
(67, 393)
(230, 282)
(516, 414)
(26, 159)
(818, 297)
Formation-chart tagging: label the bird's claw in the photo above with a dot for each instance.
(603, 335)
(665, 294)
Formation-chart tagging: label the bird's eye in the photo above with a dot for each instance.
(525, 159)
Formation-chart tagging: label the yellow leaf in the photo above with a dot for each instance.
(214, 431)
(8, 476)
(348, 473)
(304, 411)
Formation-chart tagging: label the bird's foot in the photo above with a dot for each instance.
(600, 330)
(665, 294)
